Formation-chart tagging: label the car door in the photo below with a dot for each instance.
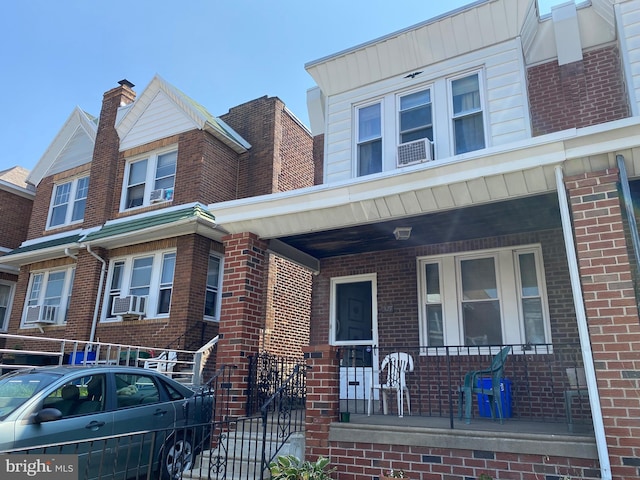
(142, 405)
(85, 417)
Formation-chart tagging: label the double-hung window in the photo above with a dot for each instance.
(468, 121)
(369, 143)
(149, 276)
(415, 116)
(68, 202)
(214, 285)
(491, 297)
(6, 300)
(48, 296)
(149, 180)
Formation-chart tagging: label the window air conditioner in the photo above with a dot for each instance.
(129, 306)
(41, 314)
(415, 152)
(161, 195)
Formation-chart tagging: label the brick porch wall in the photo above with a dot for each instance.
(612, 312)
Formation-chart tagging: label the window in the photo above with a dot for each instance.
(48, 296)
(68, 202)
(6, 300)
(468, 123)
(369, 139)
(149, 180)
(491, 297)
(149, 276)
(214, 281)
(415, 116)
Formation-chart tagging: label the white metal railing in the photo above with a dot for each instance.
(22, 351)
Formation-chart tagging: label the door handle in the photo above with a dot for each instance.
(94, 425)
(159, 413)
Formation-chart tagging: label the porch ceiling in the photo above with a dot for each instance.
(501, 218)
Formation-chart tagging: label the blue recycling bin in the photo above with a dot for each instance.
(484, 404)
(78, 358)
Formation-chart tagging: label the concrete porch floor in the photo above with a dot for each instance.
(514, 435)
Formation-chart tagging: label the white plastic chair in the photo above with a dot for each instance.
(163, 363)
(396, 364)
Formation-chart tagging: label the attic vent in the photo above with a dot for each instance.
(415, 152)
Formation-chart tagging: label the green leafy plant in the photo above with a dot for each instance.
(290, 467)
(484, 476)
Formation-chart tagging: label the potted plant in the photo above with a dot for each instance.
(394, 473)
(290, 467)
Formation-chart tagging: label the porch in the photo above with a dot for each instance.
(542, 390)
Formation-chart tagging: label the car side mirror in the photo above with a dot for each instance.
(47, 415)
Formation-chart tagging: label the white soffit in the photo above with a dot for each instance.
(519, 170)
(469, 28)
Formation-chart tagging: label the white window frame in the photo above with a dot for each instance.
(356, 128)
(70, 203)
(482, 110)
(424, 87)
(154, 286)
(335, 281)
(4, 322)
(217, 288)
(65, 296)
(150, 178)
(509, 293)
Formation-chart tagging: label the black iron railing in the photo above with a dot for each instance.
(541, 383)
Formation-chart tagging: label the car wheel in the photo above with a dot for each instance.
(177, 457)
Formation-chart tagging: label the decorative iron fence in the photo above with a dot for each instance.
(267, 373)
(540, 383)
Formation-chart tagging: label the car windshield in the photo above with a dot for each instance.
(18, 387)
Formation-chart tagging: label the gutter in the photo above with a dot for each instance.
(583, 329)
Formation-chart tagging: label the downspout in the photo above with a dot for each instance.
(103, 270)
(583, 329)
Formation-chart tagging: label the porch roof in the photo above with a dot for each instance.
(495, 191)
(42, 249)
(147, 227)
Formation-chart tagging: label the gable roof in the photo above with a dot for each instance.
(14, 180)
(72, 147)
(196, 115)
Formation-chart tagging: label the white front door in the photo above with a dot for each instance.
(354, 329)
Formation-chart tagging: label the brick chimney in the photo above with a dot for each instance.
(104, 166)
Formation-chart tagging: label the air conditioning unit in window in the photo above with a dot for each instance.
(129, 306)
(161, 195)
(414, 152)
(39, 314)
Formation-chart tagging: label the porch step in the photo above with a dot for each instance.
(240, 457)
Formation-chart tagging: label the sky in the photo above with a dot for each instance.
(56, 55)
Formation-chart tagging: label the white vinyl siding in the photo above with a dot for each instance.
(629, 18)
(161, 119)
(506, 110)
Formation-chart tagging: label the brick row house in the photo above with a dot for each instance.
(16, 201)
(121, 246)
(479, 175)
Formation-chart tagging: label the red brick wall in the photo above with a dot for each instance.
(288, 299)
(104, 183)
(396, 286)
(583, 93)
(280, 157)
(15, 211)
(612, 312)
